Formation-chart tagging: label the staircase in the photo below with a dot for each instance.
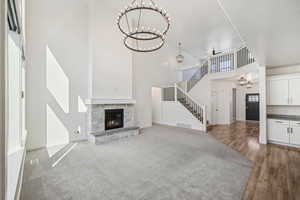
(177, 106)
(198, 111)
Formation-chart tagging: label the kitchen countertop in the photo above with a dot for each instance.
(284, 117)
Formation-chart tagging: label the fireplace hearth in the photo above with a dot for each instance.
(114, 119)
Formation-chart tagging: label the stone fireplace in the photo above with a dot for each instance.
(110, 119)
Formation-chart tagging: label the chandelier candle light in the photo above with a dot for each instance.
(179, 57)
(136, 35)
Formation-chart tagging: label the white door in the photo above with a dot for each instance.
(214, 108)
(278, 130)
(218, 107)
(294, 91)
(279, 92)
(295, 132)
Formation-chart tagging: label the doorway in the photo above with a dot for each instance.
(252, 107)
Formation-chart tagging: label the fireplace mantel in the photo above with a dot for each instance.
(99, 101)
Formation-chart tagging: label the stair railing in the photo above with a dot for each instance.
(199, 74)
(199, 111)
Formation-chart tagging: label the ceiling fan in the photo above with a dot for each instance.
(214, 52)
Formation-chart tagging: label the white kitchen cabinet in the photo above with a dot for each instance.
(294, 91)
(283, 90)
(278, 91)
(278, 130)
(284, 132)
(295, 133)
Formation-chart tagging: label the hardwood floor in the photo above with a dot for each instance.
(276, 174)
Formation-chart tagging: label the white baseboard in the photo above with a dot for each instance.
(283, 144)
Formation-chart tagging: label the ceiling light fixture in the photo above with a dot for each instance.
(179, 57)
(138, 37)
(242, 81)
(249, 84)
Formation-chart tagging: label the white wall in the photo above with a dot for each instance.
(111, 62)
(201, 92)
(175, 114)
(241, 92)
(14, 88)
(172, 113)
(151, 70)
(156, 104)
(262, 105)
(80, 54)
(57, 70)
(2, 98)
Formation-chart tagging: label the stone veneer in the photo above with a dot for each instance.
(96, 118)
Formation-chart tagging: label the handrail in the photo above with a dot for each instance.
(196, 109)
(189, 96)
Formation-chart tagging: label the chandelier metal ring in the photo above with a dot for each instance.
(136, 34)
(137, 49)
(151, 8)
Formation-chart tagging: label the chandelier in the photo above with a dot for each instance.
(180, 57)
(138, 37)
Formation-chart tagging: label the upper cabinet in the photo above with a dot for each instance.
(283, 90)
(278, 92)
(294, 91)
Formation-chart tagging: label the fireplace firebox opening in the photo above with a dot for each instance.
(114, 118)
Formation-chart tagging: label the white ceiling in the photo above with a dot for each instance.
(199, 24)
(271, 28)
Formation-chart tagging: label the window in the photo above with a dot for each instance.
(253, 98)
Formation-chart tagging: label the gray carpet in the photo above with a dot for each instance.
(161, 163)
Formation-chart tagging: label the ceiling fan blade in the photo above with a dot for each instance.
(214, 52)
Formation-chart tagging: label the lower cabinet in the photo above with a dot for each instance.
(278, 130)
(295, 133)
(284, 131)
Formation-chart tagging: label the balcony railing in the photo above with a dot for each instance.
(244, 57)
(222, 63)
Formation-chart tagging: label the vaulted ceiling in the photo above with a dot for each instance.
(200, 25)
(271, 28)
